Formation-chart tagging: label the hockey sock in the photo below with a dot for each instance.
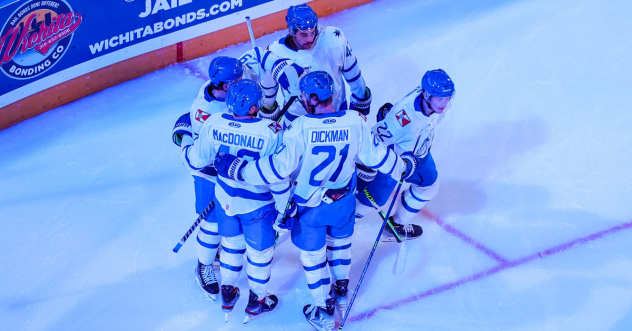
(231, 259)
(339, 256)
(362, 209)
(207, 242)
(412, 201)
(258, 269)
(315, 266)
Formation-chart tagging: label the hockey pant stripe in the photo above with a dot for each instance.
(339, 256)
(232, 258)
(207, 242)
(317, 274)
(258, 269)
(413, 200)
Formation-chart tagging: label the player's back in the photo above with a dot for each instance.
(247, 138)
(331, 142)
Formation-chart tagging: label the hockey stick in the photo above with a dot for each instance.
(197, 222)
(400, 260)
(280, 238)
(377, 241)
(286, 105)
(368, 261)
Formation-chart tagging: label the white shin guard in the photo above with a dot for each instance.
(207, 242)
(339, 256)
(258, 269)
(412, 201)
(231, 259)
(315, 266)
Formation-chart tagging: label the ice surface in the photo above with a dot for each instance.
(535, 162)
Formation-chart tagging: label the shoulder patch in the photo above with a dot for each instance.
(402, 118)
(201, 116)
(337, 33)
(362, 116)
(275, 127)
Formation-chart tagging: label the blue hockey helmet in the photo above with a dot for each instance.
(319, 83)
(437, 83)
(224, 69)
(301, 17)
(242, 96)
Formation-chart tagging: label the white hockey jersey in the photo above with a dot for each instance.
(331, 53)
(406, 125)
(248, 138)
(205, 104)
(325, 148)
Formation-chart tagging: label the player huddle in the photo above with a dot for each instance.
(308, 175)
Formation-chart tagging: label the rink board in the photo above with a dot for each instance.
(126, 63)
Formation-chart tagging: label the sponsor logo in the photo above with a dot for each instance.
(201, 116)
(402, 118)
(36, 36)
(329, 121)
(234, 125)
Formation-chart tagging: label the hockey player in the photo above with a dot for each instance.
(324, 144)
(245, 214)
(223, 72)
(410, 123)
(315, 48)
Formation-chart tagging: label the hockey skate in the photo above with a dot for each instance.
(230, 295)
(339, 292)
(405, 232)
(258, 307)
(321, 318)
(205, 277)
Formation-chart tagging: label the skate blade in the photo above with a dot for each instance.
(211, 296)
(226, 316)
(249, 318)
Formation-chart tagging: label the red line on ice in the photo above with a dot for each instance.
(492, 271)
(464, 237)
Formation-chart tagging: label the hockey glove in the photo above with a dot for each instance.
(288, 74)
(383, 111)
(362, 105)
(182, 127)
(281, 223)
(411, 164)
(229, 166)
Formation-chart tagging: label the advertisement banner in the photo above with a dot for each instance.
(40, 38)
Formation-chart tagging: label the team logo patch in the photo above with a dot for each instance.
(275, 127)
(35, 37)
(402, 118)
(201, 116)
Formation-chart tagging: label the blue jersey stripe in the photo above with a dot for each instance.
(352, 66)
(242, 193)
(186, 156)
(383, 160)
(281, 192)
(354, 78)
